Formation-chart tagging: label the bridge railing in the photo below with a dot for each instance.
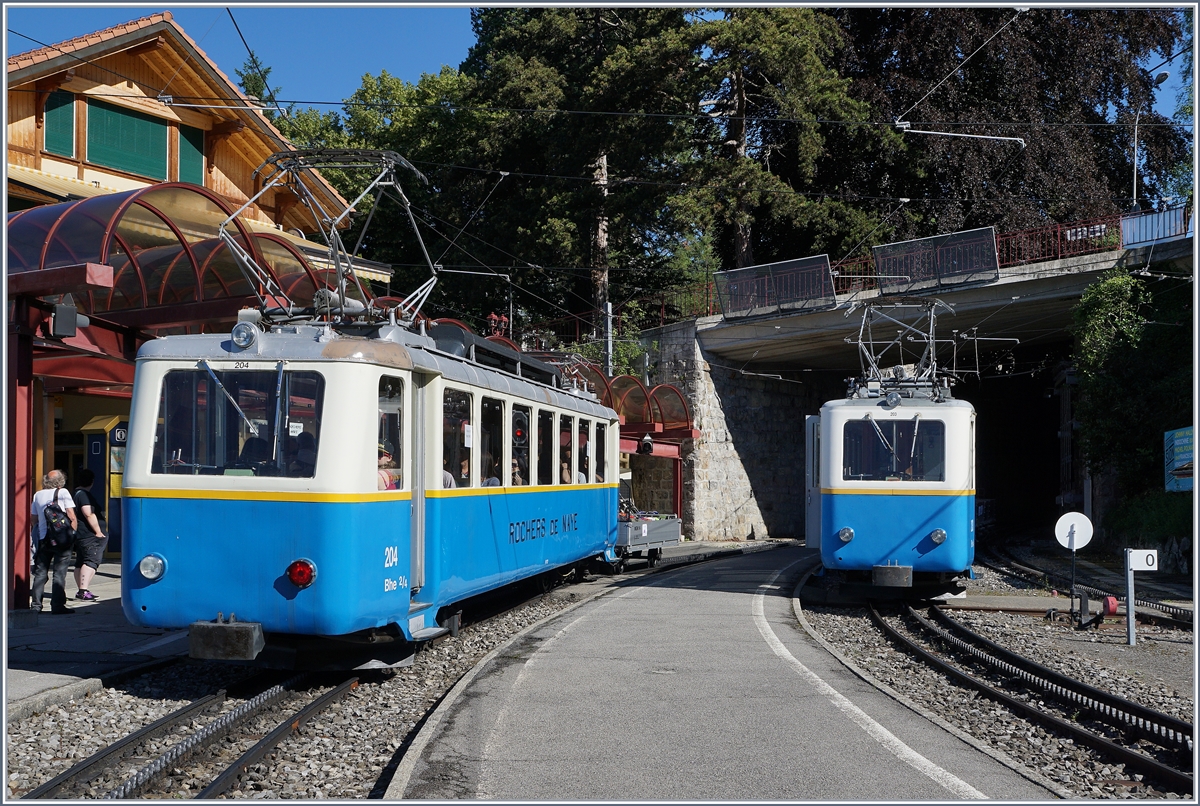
(1059, 241)
(793, 285)
(1155, 226)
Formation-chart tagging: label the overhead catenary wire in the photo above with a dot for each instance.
(254, 63)
(901, 116)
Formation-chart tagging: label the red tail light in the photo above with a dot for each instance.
(302, 573)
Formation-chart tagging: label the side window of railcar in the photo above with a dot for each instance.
(390, 451)
(545, 448)
(457, 436)
(600, 450)
(566, 456)
(491, 441)
(583, 455)
(239, 423)
(894, 450)
(519, 470)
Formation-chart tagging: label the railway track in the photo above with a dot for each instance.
(1144, 609)
(139, 767)
(1149, 743)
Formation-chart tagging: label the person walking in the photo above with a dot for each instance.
(91, 538)
(51, 557)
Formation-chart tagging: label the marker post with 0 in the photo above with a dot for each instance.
(1136, 560)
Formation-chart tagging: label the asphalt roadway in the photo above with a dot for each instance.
(696, 683)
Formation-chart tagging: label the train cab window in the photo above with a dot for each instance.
(545, 448)
(519, 465)
(894, 450)
(239, 423)
(390, 451)
(457, 436)
(566, 457)
(491, 441)
(583, 454)
(600, 449)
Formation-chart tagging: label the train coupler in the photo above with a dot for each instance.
(225, 640)
(892, 576)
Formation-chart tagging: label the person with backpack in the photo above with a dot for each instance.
(54, 510)
(91, 538)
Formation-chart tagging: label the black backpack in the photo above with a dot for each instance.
(59, 533)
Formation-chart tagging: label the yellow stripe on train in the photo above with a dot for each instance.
(272, 495)
(893, 491)
(347, 498)
(458, 492)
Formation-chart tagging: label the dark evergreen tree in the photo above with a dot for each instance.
(1068, 81)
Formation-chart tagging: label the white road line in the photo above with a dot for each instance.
(856, 715)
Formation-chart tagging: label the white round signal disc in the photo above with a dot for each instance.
(1073, 530)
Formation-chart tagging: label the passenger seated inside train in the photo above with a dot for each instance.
(464, 470)
(304, 464)
(490, 478)
(388, 475)
(254, 451)
(518, 477)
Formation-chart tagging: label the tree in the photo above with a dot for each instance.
(589, 93)
(1180, 183)
(773, 99)
(252, 78)
(1065, 80)
(1134, 358)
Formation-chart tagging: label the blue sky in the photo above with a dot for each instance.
(315, 54)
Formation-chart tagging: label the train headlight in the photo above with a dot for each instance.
(302, 573)
(892, 400)
(244, 334)
(845, 534)
(152, 567)
(938, 536)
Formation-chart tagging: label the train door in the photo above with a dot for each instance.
(420, 469)
(812, 481)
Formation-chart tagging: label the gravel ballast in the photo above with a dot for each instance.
(1157, 673)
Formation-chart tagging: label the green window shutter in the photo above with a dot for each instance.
(191, 155)
(59, 123)
(126, 140)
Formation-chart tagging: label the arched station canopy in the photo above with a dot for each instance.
(670, 408)
(631, 400)
(170, 268)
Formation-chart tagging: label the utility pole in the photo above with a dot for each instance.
(600, 258)
(608, 340)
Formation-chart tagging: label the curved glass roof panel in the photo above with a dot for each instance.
(27, 233)
(670, 408)
(630, 399)
(79, 234)
(295, 277)
(220, 274)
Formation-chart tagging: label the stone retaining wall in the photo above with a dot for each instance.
(743, 478)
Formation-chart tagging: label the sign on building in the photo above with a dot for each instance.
(1177, 459)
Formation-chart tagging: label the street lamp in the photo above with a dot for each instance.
(1158, 79)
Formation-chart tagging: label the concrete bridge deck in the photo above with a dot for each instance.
(1032, 302)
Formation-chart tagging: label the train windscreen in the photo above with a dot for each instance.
(894, 450)
(238, 423)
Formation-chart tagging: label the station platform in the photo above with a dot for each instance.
(55, 658)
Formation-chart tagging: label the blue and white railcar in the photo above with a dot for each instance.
(892, 484)
(305, 481)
